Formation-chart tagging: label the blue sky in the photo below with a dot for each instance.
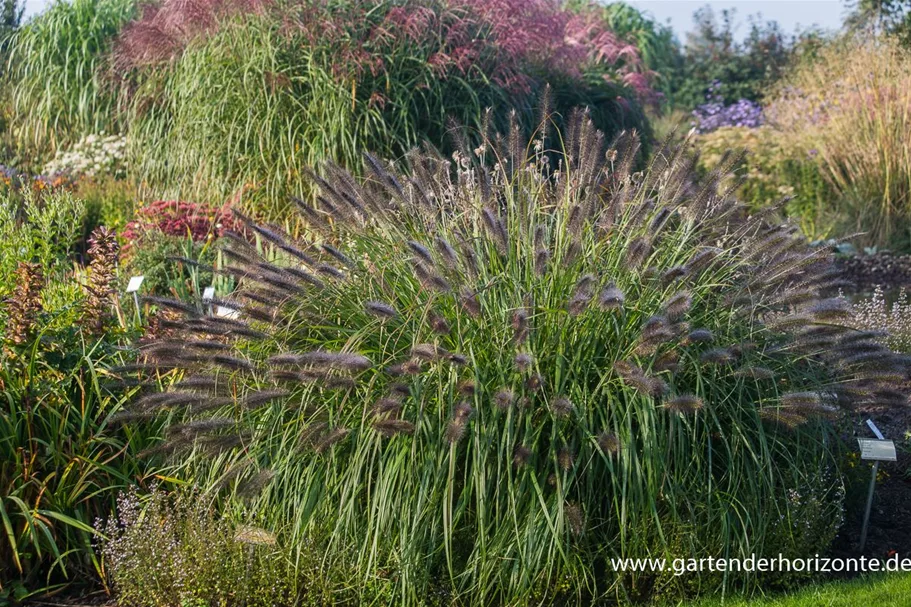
(789, 13)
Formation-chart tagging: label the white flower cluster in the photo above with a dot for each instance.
(92, 156)
(893, 317)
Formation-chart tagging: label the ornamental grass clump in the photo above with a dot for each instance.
(235, 96)
(848, 115)
(481, 379)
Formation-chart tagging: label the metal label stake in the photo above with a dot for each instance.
(876, 450)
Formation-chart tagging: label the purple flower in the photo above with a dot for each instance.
(715, 114)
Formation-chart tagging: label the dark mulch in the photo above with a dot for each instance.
(94, 599)
(867, 271)
(890, 518)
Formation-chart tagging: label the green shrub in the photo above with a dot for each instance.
(61, 460)
(483, 379)
(744, 69)
(166, 551)
(61, 87)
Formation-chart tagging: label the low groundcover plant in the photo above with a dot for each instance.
(483, 378)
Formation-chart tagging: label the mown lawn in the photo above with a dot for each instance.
(890, 591)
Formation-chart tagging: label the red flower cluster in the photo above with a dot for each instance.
(178, 218)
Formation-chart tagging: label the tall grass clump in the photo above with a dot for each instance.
(59, 72)
(240, 95)
(848, 112)
(481, 379)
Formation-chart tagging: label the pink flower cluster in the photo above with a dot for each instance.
(181, 219)
(165, 28)
(510, 41)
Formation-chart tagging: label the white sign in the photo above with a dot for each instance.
(877, 450)
(227, 312)
(135, 283)
(208, 294)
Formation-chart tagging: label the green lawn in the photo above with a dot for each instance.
(890, 591)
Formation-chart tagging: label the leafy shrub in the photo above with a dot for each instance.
(108, 201)
(745, 70)
(286, 85)
(773, 172)
(484, 378)
(58, 73)
(169, 552)
(61, 460)
(36, 228)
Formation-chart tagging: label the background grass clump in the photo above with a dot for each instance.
(60, 73)
(223, 98)
(481, 379)
(261, 95)
(835, 143)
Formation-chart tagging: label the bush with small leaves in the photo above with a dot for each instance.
(482, 379)
(164, 551)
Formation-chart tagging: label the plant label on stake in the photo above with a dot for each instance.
(228, 313)
(208, 295)
(876, 450)
(133, 287)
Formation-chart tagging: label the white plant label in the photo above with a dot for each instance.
(227, 312)
(135, 283)
(208, 294)
(877, 450)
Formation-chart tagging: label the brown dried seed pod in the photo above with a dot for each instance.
(608, 443)
(504, 398)
(565, 458)
(521, 455)
(392, 427)
(562, 407)
(684, 404)
(524, 361)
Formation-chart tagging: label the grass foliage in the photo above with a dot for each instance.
(59, 72)
(245, 107)
(62, 461)
(482, 378)
(849, 111)
(887, 590)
